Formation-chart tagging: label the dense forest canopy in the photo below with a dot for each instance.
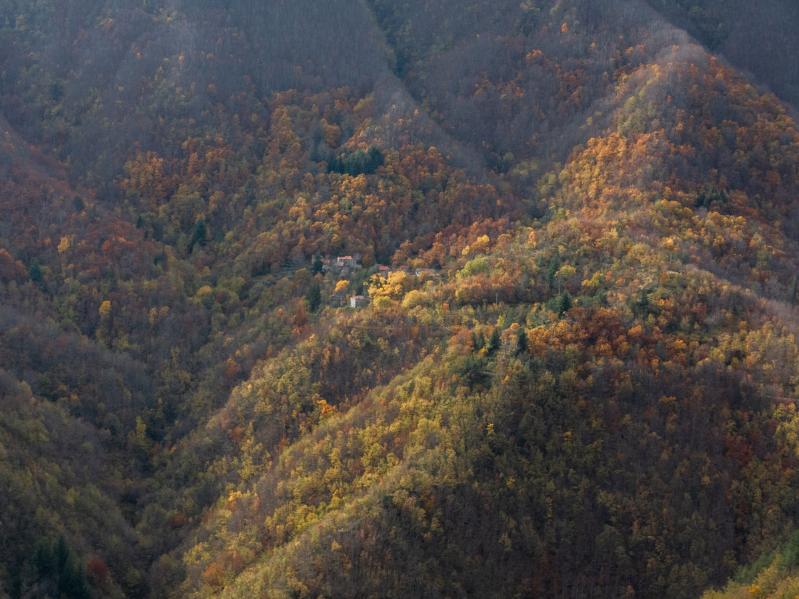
(399, 298)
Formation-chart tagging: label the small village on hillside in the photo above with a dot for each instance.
(348, 269)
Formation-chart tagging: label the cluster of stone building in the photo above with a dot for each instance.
(344, 267)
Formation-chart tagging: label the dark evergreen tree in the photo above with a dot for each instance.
(313, 297)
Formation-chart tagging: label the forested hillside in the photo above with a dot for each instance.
(770, 577)
(398, 298)
(756, 37)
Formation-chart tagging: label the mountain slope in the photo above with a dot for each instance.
(772, 576)
(109, 75)
(623, 425)
(755, 38)
(576, 373)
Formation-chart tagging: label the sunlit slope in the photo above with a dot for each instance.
(773, 576)
(606, 416)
